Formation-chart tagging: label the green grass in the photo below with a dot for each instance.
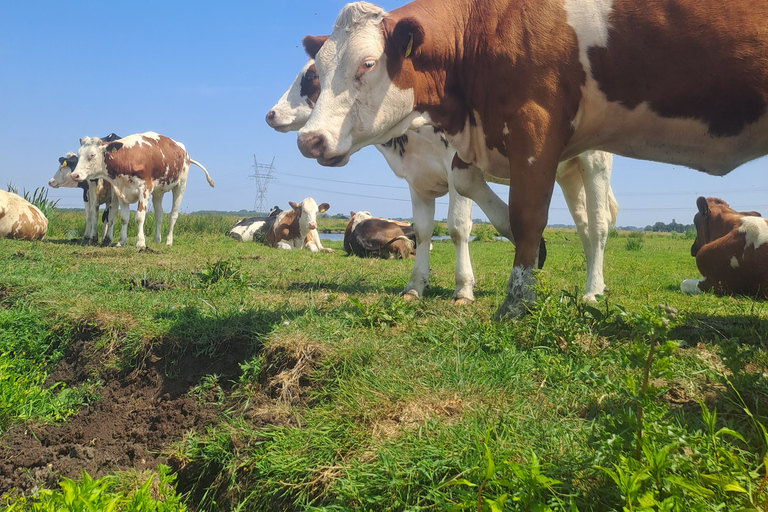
(379, 404)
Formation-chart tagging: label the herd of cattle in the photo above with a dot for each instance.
(455, 93)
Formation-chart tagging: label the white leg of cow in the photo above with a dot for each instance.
(91, 216)
(178, 192)
(423, 226)
(460, 227)
(141, 213)
(157, 205)
(595, 167)
(109, 227)
(470, 183)
(570, 180)
(125, 216)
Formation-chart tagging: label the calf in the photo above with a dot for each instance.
(95, 193)
(297, 228)
(20, 219)
(368, 236)
(139, 166)
(731, 250)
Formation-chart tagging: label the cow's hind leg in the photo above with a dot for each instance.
(178, 192)
(423, 224)
(125, 216)
(109, 222)
(141, 213)
(157, 206)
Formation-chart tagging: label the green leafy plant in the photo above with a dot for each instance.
(634, 241)
(384, 312)
(223, 271)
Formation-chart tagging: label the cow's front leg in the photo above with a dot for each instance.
(157, 205)
(109, 225)
(91, 216)
(141, 213)
(178, 193)
(533, 164)
(423, 226)
(460, 228)
(125, 216)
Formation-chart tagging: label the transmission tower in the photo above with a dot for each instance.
(262, 173)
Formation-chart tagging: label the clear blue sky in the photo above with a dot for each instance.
(205, 74)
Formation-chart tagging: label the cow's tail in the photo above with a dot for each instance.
(613, 206)
(207, 176)
(407, 243)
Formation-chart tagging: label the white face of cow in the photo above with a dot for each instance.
(307, 211)
(294, 108)
(90, 159)
(358, 103)
(63, 177)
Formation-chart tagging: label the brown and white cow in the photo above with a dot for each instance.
(139, 166)
(424, 159)
(20, 219)
(373, 237)
(95, 193)
(731, 250)
(519, 86)
(297, 228)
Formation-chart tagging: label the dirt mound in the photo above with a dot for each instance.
(139, 414)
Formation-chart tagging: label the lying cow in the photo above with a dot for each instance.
(731, 250)
(297, 228)
(424, 159)
(367, 236)
(139, 166)
(245, 230)
(20, 219)
(520, 86)
(95, 193)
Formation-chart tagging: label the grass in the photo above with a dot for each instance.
(350, 398)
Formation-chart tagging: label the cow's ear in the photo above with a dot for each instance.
(324, 207)
(312, 44)
(113, 147)
(293, 205)
(407, 37)
(62, 160)
(701, 204)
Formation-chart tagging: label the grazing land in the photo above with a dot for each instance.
(218, 375)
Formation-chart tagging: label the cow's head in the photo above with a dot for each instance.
(63, 176)
(90, 157)
(359, 103)
(294, 108)
(714, 220)
(306, 212)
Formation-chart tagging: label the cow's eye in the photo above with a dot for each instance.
(369, 64)
(365, 66)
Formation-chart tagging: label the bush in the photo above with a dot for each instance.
(634, 241)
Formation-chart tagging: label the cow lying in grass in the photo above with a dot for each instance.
(297, 228)
(731, 250)
(368, 236)
(20, 219)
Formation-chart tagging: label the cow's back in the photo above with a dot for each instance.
(285, 227)
(152, 158)
(20, 219)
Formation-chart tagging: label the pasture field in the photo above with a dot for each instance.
(216, 375)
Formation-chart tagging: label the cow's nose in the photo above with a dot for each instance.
(51, 183)
(271, 117)
(313, 225)
(76, 177)
(312, 145)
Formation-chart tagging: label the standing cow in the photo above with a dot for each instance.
(139, 166)
(519, 86)
(95, 193)
(367, 236)
(20, 219)
(297, 228)
(731, 250)
(424, 159)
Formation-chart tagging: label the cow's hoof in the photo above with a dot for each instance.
(411, 295)
(462, 301)
(328, 249)
(590, 298)
(510, 310)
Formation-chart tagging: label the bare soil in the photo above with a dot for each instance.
(141, 413)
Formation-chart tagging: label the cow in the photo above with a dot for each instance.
(424, 159)
(245, 230)
(20, 219)
(367, 236)
(139, 166)
(731, 250)
(519, 86)
(297, 228)
(95, 193)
